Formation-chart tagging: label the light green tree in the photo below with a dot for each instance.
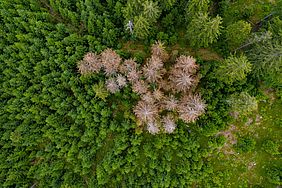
(151, 10)
(234, 69)
(100, 91)
(142, 15)
(237, 33)
(242, 104)
(132, 8)
(167, 4)
(203, 30)
(197, 6)
(141, 26)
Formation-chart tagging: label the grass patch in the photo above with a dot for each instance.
(249, 169)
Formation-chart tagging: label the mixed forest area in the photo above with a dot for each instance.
(141, 93)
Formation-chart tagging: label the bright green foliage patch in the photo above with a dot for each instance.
(237, 33)
(234, 69)
(203, 30)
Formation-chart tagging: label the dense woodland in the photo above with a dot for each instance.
(140, 93)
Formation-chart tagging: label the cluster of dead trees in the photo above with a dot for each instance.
(166, 94)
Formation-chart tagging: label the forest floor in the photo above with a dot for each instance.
(204, 53)
(249, 168)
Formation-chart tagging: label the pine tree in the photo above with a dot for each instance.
(186, 64)
(112, 86)
(242, 104)
(267, 62)
(159, 51)
(133, 76)
(158, 94)
(146, 112)
(93, 61)
(84, 67)
(140, 87)
(150, 10)
(121, 81)
(183, 73)
(148, 97)
(155, 86)
(203, 30)
(153, 70)
(169, 124)
(196, 7)
(152, 127)
(170, 103)
(167, 4)
(234, 69)
(132, 8)
(141, 26)
(127, 66)
(100, 91)
(237, 33)
(182, 81)
(111, 61)
(191, 107)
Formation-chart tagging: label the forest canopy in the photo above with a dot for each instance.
(133, 93)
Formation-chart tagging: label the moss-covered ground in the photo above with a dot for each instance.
(249, 169)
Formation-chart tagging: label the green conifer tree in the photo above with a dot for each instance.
(203, 30)
(237, 33)
(242, 104)
(233, 69)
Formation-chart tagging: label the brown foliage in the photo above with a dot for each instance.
(83, 67)
(183, 73)
(158, 94)
(182, 81)
(191, 107)
(111, 61)
(91, 63)
(153, 70)
(121, 81)
(153, 127)
(170, 103)
(158, 50)
(146, 112)
(165, 84)
(187, 64)
(140, 87)
(94, 62)
(168, 124)
(112, 85)
(128, 66)
(148, 97)
(133, 76)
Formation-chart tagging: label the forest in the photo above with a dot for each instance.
(140, 93)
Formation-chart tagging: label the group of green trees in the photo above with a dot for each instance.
(63, 127)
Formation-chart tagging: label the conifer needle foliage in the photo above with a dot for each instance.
(172, 96)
